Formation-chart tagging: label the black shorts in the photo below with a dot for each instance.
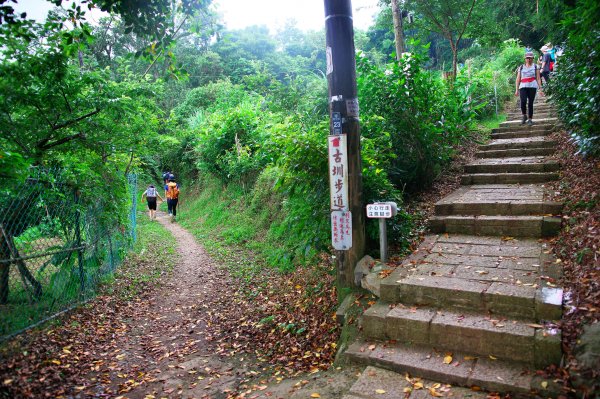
(152, 203)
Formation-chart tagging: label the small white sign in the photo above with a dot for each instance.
(341, 230)
(338, 172)
(352, 107)
(381, 210)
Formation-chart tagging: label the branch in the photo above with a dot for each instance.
(444, 30)
(64, 96)
(43, 145)
(466, 22)
(43, 115)
(15, 137)
(162, 49)
(73, 121)
(129, 164)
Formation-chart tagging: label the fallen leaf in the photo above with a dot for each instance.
(435, 393)
(380, 391)
(544, 384)
(447, 359)
(493, 358)
(315, 395)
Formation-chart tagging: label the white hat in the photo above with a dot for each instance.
(544, 48)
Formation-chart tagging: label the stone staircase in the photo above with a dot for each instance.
(476, 304)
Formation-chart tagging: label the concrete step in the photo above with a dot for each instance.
(515, 226)
(508, 178)
(536, 103)
(385, 384)
(523, 128)
(520, 134)
(498, 199)
(463, 370)
(516, 152)
(489, 275)
(458, 331)
(456, 204)
(517, 116)
(517, 143)
(533, 164)
(544, 121)
(536, 106)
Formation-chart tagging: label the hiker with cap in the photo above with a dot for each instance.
(547, 63)
(527, 83)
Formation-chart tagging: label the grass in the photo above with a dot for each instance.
(154, 255)
(493, 121)
(235, 228)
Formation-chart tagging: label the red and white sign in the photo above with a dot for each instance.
(338, 172)
(341, 230)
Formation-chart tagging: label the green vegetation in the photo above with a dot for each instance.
(576, 87)
(241, 116)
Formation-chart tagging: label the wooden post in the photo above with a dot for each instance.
(398, 29)
(343, 101)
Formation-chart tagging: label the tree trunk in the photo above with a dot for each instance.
(454, 48)
(9, 251)
(398, 30)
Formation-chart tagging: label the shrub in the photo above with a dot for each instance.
(214, 96)
(488, 79)
(575, 88)
(230, 143)
(423, 117)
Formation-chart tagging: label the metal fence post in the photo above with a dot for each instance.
(132, 179)
(78, 242)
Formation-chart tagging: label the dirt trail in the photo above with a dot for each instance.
(167, 348)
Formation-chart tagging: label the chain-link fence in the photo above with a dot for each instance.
(55, 248)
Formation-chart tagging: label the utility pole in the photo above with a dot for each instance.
(348, 214)
(398, 29)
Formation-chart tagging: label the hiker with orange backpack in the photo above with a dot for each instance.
(172, 194)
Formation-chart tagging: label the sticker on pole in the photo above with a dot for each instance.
(329, 57)
(336, 123)
(352, 107)
(341, 230)
(338, 172)
(382, 210)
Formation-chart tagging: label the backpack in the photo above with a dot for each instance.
(172, 191)
(151, 192)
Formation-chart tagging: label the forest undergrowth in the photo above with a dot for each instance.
(577, 247)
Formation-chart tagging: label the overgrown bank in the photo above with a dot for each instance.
(578, 249)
